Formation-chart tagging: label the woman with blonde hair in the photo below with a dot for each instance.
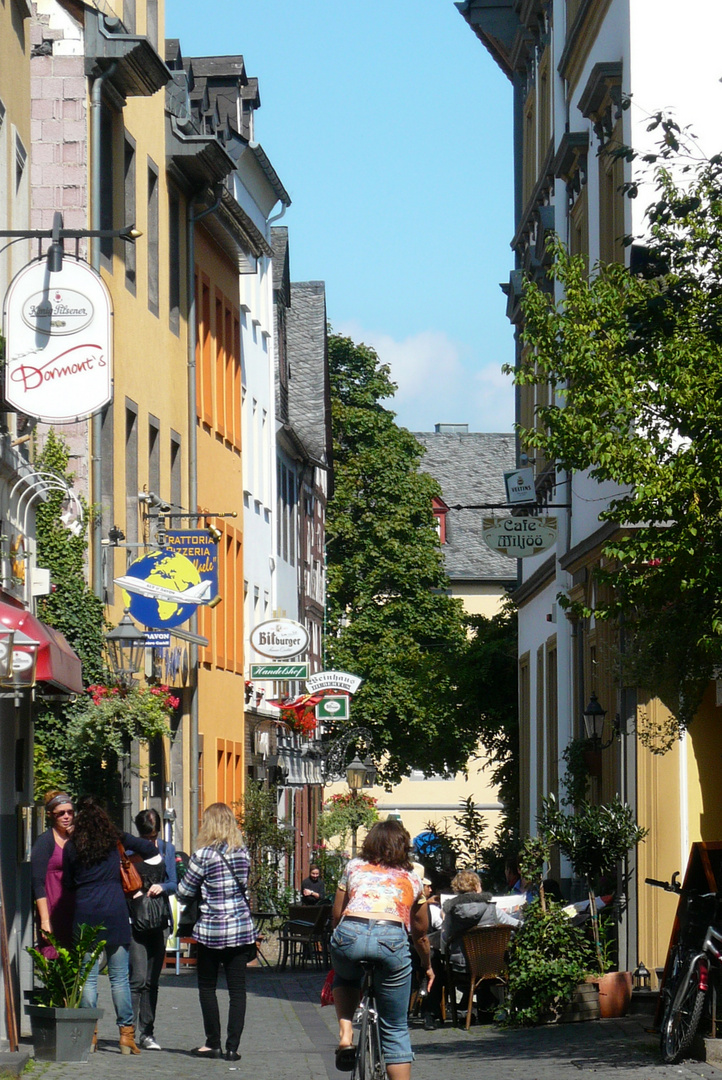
(218, 871)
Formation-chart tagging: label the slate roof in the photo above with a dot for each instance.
(279, 243)
(470, 468)
(308, 388)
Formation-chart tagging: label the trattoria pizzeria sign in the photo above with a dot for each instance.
(59, 340)
(519, 537)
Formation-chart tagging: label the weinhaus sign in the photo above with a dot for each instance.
(519, 537)
(59, 342)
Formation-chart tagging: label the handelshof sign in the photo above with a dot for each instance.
(59, 342)
(333, 680)
(278, 638)
(332, 708)
(520, 487)
(279, 671)
(518, 537)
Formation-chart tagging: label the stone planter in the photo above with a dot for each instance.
(615, 994)
(583, 1006)
(62, 1034)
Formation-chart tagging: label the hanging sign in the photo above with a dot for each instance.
(333, 680)
(333, 708)
(278, 638)
(164, 588)
(520, 487)
(59, 342)
(518, 537)
(279, 671)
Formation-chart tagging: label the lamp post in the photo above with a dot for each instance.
(126, 651)
(359, 773)
(594, 724)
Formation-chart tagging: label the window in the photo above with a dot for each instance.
(176, 491)
(106, 184)
(174, 257)
(154, 454)
(21, 159)
(611, 201)
(129, 253)
(131, 471)
(524, 745)
(153, 260)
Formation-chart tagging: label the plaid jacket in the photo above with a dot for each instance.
(225, 919)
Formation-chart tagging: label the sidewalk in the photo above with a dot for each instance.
(288, 1036)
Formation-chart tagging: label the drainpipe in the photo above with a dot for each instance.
(192, 219)
(96, 95)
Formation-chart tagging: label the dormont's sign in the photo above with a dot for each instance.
(519, 537)
(333, 680)
(59, 341)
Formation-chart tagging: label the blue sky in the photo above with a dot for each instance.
(390, 127)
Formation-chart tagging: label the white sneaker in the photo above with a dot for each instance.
(147, 1042)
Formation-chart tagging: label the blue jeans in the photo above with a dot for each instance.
(387, 945)
(119, 985)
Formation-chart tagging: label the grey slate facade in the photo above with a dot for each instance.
(470, 468)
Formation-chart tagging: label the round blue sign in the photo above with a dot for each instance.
(169, 571)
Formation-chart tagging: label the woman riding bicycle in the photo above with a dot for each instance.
(379, 899)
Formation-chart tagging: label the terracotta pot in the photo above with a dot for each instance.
(615, 994)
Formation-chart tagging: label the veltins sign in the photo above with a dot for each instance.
(518, 537)
(278, 638)
(333, 680)
(520, 487)
(59, 342)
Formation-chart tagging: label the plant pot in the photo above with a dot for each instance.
(583, 1006)
(62, 1034)
(615, 994)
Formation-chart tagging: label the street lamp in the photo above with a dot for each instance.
(356, 774)
(594, 724)
(126, 649)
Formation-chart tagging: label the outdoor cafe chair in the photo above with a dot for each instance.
(485, 950)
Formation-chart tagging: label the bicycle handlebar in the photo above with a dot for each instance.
(668, 886)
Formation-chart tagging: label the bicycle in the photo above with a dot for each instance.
(691, 969)
(370, 1064)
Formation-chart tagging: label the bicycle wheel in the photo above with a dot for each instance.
(682, 1014)
(362, 1048)
(369, 1058)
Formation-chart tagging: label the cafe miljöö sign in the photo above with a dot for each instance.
(519, 537)
(59, 342)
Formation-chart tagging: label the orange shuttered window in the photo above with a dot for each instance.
(205, 336)
(220, 367)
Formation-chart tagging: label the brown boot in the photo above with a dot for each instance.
(127, 1040)
(94, 1044)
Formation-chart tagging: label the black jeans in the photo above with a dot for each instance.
(234, 960)
(147, 953)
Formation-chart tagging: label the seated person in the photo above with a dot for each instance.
(469, 908)
(313, 890)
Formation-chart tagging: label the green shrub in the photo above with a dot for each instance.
(548, 957)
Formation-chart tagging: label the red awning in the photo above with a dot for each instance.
(58, 664)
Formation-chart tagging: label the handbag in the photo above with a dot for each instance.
(327, 989)
(190, 913)
(130, 879)
(150, 913)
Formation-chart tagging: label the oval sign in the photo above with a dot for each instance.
(57, 311)
(519, 537)
(279, 638)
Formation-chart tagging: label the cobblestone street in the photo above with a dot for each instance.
(289, 1036)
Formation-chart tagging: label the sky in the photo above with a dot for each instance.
(390, 126)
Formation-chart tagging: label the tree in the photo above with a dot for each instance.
(390, 618)
(635, 363)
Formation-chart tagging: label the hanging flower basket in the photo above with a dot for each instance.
(107, 716)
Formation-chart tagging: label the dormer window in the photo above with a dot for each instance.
(440, 510)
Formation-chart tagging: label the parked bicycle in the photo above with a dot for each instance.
(692, 970)
(370, 1064)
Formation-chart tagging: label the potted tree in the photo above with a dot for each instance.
(62, 1030)
(595, 839)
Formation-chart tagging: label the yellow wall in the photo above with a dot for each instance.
(15, 96)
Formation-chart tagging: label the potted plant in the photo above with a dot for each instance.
(595, 839)
(61, 1029)
(549, 957)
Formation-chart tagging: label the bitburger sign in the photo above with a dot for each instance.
(58, 330)
(279, 638)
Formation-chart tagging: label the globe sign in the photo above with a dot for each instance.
(170, 570)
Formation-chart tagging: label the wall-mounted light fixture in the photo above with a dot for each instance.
(594, 724)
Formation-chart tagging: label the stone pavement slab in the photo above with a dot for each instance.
(288, 1036)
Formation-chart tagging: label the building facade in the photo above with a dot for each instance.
(572, 64)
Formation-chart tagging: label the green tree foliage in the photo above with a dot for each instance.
(344, 814)
(390, 619)
(635, 360)
(268, 845)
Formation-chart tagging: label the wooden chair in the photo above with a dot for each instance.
(303, 937)
(485, 950)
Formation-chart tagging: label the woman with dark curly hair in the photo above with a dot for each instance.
(379, 899)
(91, 867)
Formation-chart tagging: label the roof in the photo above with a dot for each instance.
(470, 468)
(279, 243)
(308, 388)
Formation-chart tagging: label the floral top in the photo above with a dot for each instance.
(382, 890)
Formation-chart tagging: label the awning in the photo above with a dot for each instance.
(58, 664)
